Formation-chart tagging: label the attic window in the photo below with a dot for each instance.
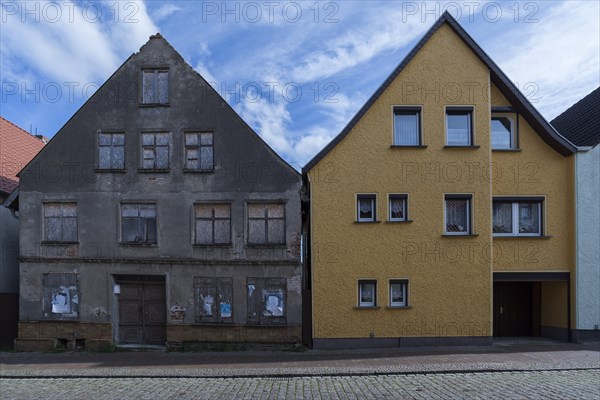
(155, 86)
(503, 130)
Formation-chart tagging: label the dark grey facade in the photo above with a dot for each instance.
(156, 215)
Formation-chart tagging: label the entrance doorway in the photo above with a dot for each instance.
(142, 310)
(514, 309)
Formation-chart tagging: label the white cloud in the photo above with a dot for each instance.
(165, 11)
(358, 46)
(74, 47)
(270, 119)
(560, 54)
(206, 74)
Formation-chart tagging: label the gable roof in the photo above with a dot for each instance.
(17, 148)
(498, 78)
(159, 37)
(580, 123)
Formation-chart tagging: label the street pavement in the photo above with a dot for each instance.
(522, 371)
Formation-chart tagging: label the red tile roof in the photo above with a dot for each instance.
(17, 148)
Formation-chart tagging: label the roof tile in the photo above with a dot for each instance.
(580, 123)
(17, 148)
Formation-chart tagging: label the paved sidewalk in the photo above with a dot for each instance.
(310, 363)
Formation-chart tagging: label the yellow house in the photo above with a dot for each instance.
(443, 212)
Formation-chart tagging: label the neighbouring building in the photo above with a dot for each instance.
(157, 216)
(443, 213)
(17, 148)
(581, 125)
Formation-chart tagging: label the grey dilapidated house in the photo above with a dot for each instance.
(157, 216)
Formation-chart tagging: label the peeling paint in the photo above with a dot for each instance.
(177, 313)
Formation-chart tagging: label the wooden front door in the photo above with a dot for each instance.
(513, 308)
(142, 313)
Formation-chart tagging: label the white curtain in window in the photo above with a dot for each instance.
(456, 215)
(397, 208)
(502, 217)
(406, 129)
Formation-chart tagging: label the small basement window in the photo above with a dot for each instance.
(398, 293)
(367, 293)
(365, 208)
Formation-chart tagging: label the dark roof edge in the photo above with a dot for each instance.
(73, 116)
(508, 89)
(542, 127)
(10, 200)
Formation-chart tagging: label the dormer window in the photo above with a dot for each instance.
(155, 86)
(503, 128)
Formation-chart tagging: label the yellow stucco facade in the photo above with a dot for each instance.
(450, 278)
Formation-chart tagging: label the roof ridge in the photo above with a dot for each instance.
(21, 129)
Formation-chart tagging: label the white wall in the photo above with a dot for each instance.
(588, 238)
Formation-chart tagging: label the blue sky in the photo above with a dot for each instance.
(296, 71)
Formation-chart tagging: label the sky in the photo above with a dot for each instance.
(296, 71)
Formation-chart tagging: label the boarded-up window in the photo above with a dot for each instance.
(212, 223)
(199, 151)
(266, 223)
(138, 223)
(213, 300)
(61, 299)
(111, 150)
(155, 150)
(155, 86)
(60, 222)
(267, 301)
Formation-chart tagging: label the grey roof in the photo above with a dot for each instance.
(580, 123)
(498, 78)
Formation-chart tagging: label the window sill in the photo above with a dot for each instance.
(399, 307)
(406, 221)
(544, 237)
(136, 244)
(462, 147)
(367, 222)
(212, 245)
(199, 171)
(109, 170)
(367, 307)
(266, 246)
(149, 105)
(408, 146)
(471, 235)
(153, 171)
(53, 243)
(506, 150)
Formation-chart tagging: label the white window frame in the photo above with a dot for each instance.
(404, 283)
(362, 282)
(468, 198)
(396, 196)
(365, 196)
(513, 135)
(515, 218)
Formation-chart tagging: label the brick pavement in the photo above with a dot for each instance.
(497, 385)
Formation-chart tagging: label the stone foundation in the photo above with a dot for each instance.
(67, 335)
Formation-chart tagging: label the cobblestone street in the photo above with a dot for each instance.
(497, 385)
(507, 370)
